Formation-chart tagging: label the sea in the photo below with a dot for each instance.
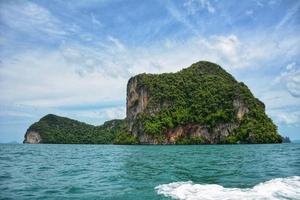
(142, 172)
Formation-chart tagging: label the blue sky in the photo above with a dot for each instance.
(73, 58)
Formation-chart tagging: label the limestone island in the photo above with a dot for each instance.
(201, 104)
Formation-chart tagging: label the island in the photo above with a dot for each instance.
(201, 104)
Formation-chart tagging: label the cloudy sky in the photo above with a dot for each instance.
(73, 58)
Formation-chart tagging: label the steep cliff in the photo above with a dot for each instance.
(202, 104)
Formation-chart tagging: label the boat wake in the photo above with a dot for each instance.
(279, 188)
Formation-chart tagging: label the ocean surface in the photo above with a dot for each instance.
(115, 172)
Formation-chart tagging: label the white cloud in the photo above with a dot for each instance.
(277, 97)
(291, 79)
(29, 17)
(290, 66)
(228, 50)
(282, 96)
(78, 74)
(115, 113)
(49, 78)
(97, 116)
(289, 16)
(228, 47)
(181, 17)
(194, 6)
(191, 7)
(96, 21)
(14, 114)
(117, 43)
(286, 117)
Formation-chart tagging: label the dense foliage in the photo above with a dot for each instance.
(56, 129)
(203, 94)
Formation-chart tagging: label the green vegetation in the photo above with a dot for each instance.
(125, 138)
(203, 94)
(61, 130)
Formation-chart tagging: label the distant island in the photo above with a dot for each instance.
(201, 104)
(286, 140)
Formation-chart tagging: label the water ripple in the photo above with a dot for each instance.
(113, 172)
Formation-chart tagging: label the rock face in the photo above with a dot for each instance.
(241, 108)
(137, 100)
(32, 137)
(199, 104)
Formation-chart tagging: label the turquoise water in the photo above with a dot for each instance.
(150, 172)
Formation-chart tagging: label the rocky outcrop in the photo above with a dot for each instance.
(190, 130)
(137, 100)
(32, 137)
(171, 136)
(150, 100)
(241, 108)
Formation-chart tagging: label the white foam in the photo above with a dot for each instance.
(279, 188)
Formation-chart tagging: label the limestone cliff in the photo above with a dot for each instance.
(199, 104)
(137, 99)
(32, 137)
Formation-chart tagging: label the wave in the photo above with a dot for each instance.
(279, 188)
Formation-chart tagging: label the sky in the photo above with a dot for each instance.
(73, 58)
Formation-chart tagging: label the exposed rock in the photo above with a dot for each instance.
(190, 131)
(32, 137)
(241, 108)
(137, 100)
(222, 131)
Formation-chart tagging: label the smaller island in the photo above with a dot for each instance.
(53, 129)
(201, 104)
